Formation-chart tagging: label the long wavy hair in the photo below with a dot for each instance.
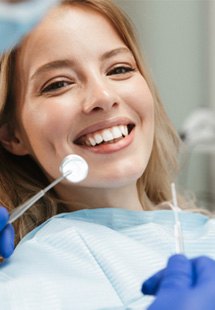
(21, 177)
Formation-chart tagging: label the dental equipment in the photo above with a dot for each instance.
(179, 245)
(198, 130)
(73, 167)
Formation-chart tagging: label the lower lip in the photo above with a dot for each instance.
(112, 147)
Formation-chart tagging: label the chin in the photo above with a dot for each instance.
(118, 179)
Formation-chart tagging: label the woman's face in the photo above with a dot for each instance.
(81, 92)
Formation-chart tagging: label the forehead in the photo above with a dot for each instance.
(69, 30)
(75, 33)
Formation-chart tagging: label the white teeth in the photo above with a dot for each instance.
(116, 132)
(87, 142)
(124, 130)
(106, 135)
(98, 138)
(92, 141)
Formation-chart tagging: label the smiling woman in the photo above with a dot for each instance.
(73, 87)
(91, 95)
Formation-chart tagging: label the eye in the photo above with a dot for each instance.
(55, 86)
(120, 70)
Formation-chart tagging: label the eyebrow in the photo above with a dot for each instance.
(119, 50)
(65, 63)
(56, 64)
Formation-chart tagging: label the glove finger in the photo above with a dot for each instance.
(151, 285)
(204, 270)
(7, 241)
(4, 216)
(178, 273)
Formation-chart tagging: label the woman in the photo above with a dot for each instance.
(159, 147)
(75, 87)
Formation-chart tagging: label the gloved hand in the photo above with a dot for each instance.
(17, 18)
(183, 285)
(6, 234)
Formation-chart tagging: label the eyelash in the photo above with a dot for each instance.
(61, 84)
(125, 70)
(55, 86)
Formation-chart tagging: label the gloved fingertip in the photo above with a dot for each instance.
(178, 273)
(204, 269)
(177, 258)
(4, 217)
(146, 289)
(11, 244)
(151, 285)
(7, 243)
(3, 209)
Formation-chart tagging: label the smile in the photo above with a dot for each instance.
(105, 136)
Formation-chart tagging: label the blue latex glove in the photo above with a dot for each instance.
(17, 19)
(6, 234)
(183, 285)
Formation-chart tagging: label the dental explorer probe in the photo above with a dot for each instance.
(73, 167)
(179, 244)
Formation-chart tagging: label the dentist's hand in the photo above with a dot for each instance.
(183, 285)
(18, 18)
(6, 234)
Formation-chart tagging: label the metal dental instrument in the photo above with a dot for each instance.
(73, 168)
(179, 244)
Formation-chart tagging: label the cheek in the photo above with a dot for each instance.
(144, 100)
(137, 93)
(142, 104)
(38, 124)
(46, 120)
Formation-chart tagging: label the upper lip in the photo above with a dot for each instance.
(103, 125)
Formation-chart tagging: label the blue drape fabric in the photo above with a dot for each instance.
(97, 259)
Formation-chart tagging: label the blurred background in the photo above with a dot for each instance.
(178, 42)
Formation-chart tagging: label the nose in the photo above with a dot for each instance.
(100, 97)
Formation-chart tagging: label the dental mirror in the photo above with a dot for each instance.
(73, 168)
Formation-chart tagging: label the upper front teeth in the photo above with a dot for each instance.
(106, 135)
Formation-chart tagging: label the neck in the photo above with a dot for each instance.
(92, 198)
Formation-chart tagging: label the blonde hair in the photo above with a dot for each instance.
(21, 177)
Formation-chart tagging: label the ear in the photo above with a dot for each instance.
(12, 141)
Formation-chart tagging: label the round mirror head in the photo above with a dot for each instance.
(74, 167)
